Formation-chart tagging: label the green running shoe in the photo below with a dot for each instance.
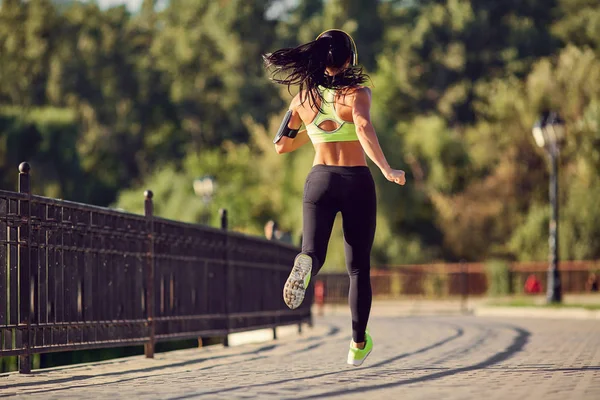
(297, 282)
(357, 356)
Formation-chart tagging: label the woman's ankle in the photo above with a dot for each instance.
(360, 345)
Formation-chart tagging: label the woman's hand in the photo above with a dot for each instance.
(395, 175)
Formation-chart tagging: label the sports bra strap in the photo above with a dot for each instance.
(328, 112)
(345, 130)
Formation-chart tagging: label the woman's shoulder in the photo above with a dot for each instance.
(362, 90)
(297, 100)
(355, 91)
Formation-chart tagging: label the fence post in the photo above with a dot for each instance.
(511, 283)
(24, 239)
(149, 214)
(223, 215)
(464, 285)
(224, 223)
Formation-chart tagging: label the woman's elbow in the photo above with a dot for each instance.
(280, 149)
(362, 131)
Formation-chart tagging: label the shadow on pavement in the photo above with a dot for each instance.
(458, 332)
(333, 330)
(516, 346)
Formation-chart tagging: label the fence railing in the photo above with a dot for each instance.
(76, 276)
(459, 279)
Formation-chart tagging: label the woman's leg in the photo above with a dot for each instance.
(319, 210)
(317, 225)
(359, 220)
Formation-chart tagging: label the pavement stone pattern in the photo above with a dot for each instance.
(414, 357)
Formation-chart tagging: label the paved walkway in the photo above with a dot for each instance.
(415, 357)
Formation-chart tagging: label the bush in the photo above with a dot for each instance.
(498, 278)
(436, 283)
(396, 284)
(518, 284)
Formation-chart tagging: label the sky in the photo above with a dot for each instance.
(134, 5)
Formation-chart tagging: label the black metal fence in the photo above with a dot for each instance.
(76, 276)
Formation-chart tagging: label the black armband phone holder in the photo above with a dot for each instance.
(284, 130)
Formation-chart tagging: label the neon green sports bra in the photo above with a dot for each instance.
(345, 131)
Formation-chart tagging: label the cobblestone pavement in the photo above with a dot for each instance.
(426, 357)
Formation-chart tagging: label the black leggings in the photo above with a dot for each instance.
(351, 191)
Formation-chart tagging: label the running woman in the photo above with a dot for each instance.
(334, 106)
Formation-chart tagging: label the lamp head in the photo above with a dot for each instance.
(549, 129)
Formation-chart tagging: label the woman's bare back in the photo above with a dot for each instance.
(346, 154)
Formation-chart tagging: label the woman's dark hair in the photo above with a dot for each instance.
(306, 64)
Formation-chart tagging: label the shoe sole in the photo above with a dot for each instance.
(357, 363)
(294, 290)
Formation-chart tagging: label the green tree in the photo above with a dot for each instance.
(26, 44)
(579, 24)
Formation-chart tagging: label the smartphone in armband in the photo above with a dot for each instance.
(284, 130)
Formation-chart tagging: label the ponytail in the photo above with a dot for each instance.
(305, 66)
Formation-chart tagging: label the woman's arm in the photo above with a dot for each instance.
(361, 114)
(286, 144)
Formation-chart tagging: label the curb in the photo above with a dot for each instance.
(454, 308)
(536, 312)
(396, 309)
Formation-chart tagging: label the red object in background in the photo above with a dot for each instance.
(319, 292)
(319, 296)
(532, 285)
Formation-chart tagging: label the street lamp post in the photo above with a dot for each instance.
(549, 134)
(204, 187)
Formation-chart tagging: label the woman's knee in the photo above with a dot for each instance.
(358, 265)
(361, 273)
(317, 260)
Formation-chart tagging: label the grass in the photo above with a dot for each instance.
(533, 302)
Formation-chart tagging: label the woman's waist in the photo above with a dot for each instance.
(343, 154)
(346, 170)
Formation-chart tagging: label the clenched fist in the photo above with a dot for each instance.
(397, 176)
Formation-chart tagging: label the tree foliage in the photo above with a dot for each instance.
(105, 103)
